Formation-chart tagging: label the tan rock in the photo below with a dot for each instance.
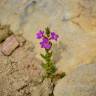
(20, 39)
(73, 20)
(81, 82)
(44, 89)
(9, 45)
(4, 32)
(4, 64)
(22, 71)
(86, 23)
(5, 87)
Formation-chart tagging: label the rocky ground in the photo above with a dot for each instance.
(20, 70)
(21, 73)
(81, 82)
(73, 20)
(75, 53)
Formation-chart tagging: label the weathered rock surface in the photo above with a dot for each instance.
(21, 71)
(9, 45)
(4, 32)
(73, 20)
(20, 39)
(44, 89)
(4, 63)
(82, 82)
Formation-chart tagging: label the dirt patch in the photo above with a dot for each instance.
(20, 70)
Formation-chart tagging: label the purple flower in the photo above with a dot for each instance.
(46, 40)
(39, 34)
(54, 36)
(45, 43)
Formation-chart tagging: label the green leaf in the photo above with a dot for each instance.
(50, 54)
(46, 57)
(62, 75)
(45, 66)
(47, 31)
(43, 56)
(53, 68)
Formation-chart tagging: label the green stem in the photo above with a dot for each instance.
(50, 70)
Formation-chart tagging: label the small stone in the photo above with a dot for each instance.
(9, 45)
(21, 40)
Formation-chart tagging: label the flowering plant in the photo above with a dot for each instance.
(46, 42)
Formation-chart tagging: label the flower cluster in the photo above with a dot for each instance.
(46, 38)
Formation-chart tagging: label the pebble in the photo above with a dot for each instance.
(9, 45)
